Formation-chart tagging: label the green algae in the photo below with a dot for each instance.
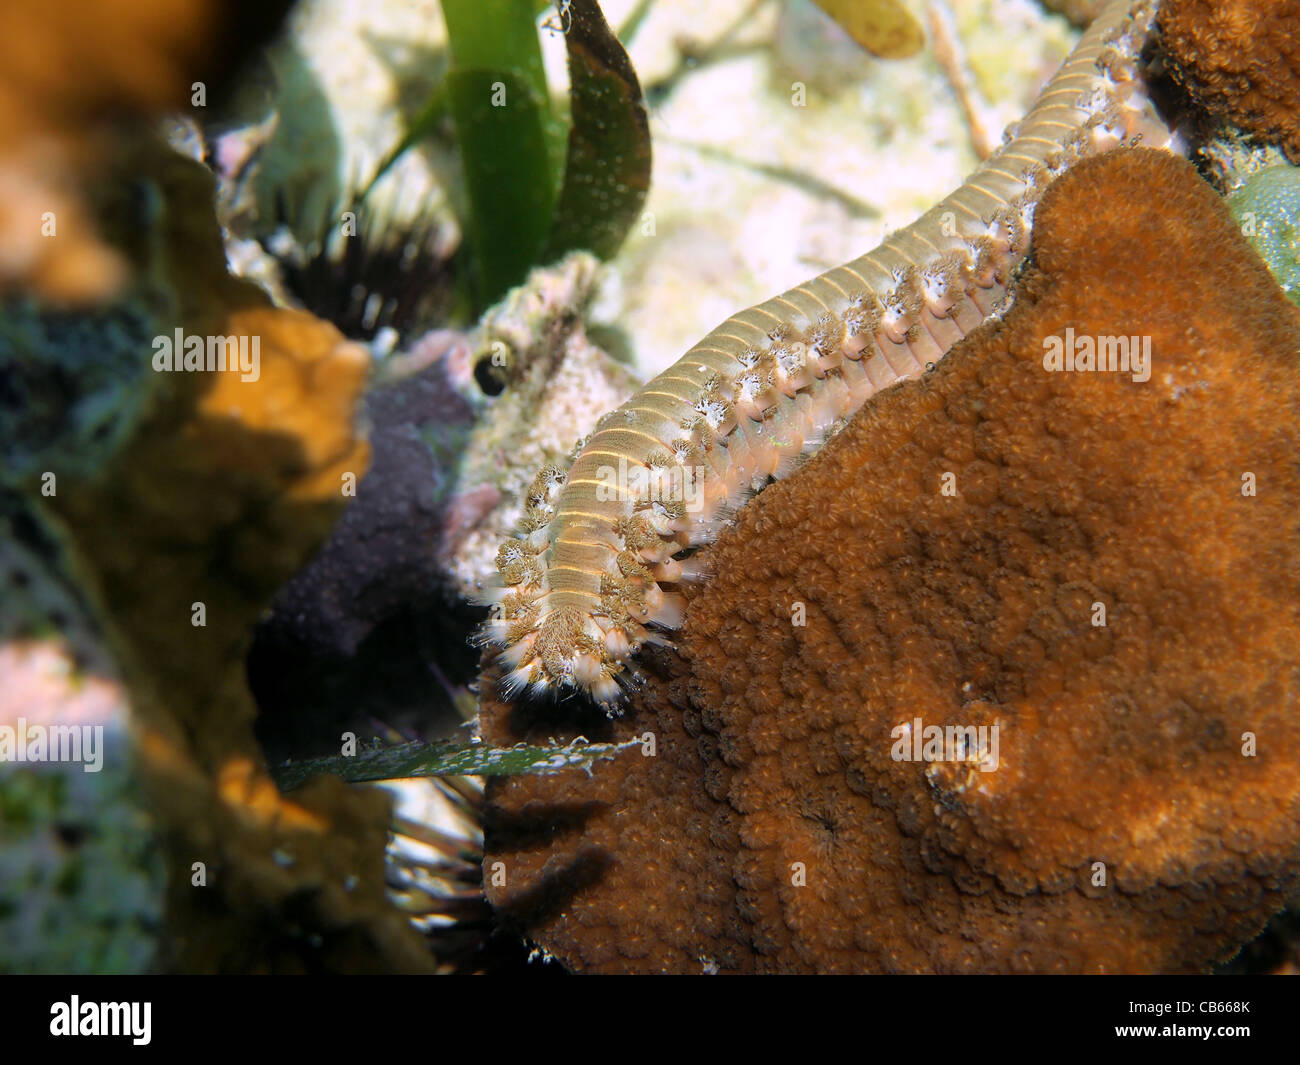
(1267, 207)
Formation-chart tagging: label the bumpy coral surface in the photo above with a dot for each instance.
(1240, 61)
(1101, 566)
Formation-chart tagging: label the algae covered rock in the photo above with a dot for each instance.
(1267, 206)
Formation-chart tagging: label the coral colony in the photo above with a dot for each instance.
(1101, 591)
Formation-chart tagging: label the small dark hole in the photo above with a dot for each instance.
(490, 378)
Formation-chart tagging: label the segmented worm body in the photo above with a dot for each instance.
(593, 574)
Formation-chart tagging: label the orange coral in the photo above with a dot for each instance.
(224, 487)
(66, 70)
(1240, 62)
(1108, 575)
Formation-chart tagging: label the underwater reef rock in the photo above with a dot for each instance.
(1240, 62)
(533, 351)
(1102, 565)
(68, 72)
(81, 882)
(179, 538)
(459, 424)
(354, 633)
(1267, 207)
